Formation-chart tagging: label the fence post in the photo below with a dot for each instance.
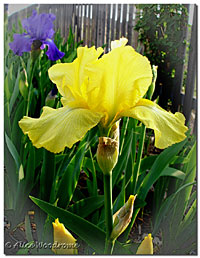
(191, 74)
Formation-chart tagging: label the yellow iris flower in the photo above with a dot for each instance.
(64, 242)
(146, 247)
(101, 91)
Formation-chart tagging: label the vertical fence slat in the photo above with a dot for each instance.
(135, 33)
(85, 27)
(89, 26)
(73, 18)
(130, 24)
(108, 27)
(114, 9)
(118, 21)
(69, 17)
(123, 32)
(76, 22)
(81, 21)
(94, 23)
(99, 26)
(192, 66)
(103, 23)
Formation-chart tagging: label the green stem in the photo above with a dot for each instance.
(30, 86)
(139, 158)
(29, 90)
(108, 211)
(135, 178)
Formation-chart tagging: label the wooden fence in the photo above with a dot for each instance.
(98, 24)
(94, 24)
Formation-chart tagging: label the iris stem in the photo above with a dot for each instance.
(139, 158)
(30, 83)
(135, 178)
(108, 211)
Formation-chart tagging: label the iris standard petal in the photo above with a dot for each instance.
(58, 128)
(21, 43)
(119, 43)
(39, 26)
(168, 128)
(122, 77)
(53, 52)
(71, 78)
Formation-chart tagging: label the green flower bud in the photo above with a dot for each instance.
(122, 218)
(153, 84)
(107, 154)
(23, 84)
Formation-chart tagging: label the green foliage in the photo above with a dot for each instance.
(28, 169)
(177, 218)
(161, 30)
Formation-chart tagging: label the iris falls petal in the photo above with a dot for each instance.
(168, 128)
(21, 43)
(53, 52)
(58, 128)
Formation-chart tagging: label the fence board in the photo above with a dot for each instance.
(89, 39)
(130, 24)
(108, 9)
(85, 28)
(191, 74)
(123, 32)
(103, 23)
(114, 9)
(118, 25)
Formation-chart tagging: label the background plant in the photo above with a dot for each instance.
(161, 28)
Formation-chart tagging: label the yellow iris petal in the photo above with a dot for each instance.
(168, 128)
(146, 247)
(58, 128)
(64, 242)
(71, 79)
(119, 43)
(122, 77)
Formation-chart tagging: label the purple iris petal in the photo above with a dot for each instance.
(53, 52)
(39, 26)
(22, 43)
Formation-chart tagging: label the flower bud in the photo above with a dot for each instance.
(107, 154)
(114, 132)
(146, 247)
(64, 242)
(35, 49)
(23, 84)
(153, 84)
(122, 218)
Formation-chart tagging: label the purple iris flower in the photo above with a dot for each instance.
(40, 31)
